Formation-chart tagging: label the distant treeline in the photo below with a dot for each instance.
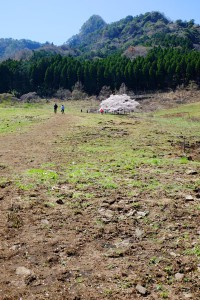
(45, 74)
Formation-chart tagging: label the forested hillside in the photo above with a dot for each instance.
(99, 39)
(160, 69)
(150, 29)
(10, 48)
(146, 52)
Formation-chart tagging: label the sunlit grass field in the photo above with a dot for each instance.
(103, 147)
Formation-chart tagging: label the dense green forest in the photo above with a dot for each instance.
(45, 74)
(98, 39)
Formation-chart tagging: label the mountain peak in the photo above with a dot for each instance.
(94, 23)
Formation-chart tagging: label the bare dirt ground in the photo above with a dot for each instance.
(119, 246)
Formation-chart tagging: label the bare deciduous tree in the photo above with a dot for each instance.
(105, 92)
(78, 91)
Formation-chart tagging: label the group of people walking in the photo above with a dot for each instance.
(56, 108)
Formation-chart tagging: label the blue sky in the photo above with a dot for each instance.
(57, 20)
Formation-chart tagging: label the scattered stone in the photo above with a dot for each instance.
(55, 188)
(104, 220)
(189, 198)
(104, 204)
(15, 247)
(139, 233)
(59, 201)
(142, 214)
(142, 290)
(131, 213)
(23, 271)
(179, 276)
(45, 222)
(118, 207)
(191, 172)
(123, 244)
(188, 296)
(109, 201)
(123, 202)
(115, 253)
(107, 213)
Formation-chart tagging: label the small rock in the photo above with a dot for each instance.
(191, 172)
(104, 205)
(188, 296)
(189, 198)
(173, 254)
(107, 213)
(59, 201)
(15, 247)
(142, 290)
(123, 244)
(45, 222)
(179, 276)
(123, 202)
(105, 220)
(131, 213)
(55, 188)
(117, 207)
(109, 201)
(138, 232)
(23, 271)
(142, 213)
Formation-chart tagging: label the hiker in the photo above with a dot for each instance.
(55, 108)
(62, 109)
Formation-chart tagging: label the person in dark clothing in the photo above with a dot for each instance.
(55, 108)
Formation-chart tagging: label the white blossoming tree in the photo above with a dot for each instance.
(118, 104)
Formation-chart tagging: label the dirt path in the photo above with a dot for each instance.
(19, 151)
(22, 226)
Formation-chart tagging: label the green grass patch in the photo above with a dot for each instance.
(43, 176)
(24, 186)
(18, 117)
(194, 251)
